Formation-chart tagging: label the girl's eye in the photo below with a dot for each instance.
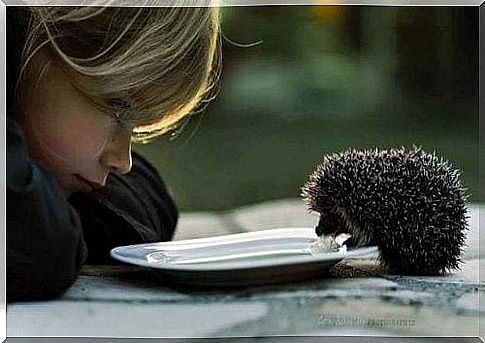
(115, 123)
(118, 119)
(122, 124)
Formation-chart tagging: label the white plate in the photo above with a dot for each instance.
(259, 257)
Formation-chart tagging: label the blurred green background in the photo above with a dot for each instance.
(323, 79)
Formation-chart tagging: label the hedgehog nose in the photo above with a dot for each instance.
(319, 231)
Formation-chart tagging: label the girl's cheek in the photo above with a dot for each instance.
(62, 129)
(78, 143)
(73, 140)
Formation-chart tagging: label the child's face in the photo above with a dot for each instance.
(79, 144)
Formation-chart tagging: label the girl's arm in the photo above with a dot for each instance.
(131, 209)
(45, 246)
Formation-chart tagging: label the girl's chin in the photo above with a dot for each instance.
(70, 185)
(68, 191)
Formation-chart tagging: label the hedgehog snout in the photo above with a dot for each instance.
(337, 221)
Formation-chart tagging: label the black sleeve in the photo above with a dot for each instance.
(131, 209)
(45, 246)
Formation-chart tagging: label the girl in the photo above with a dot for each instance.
(82, 84)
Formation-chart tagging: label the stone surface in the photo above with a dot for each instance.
(102, 319)
(201, 224)
(356, 297)
(283, 213)
(272, 312)
(468, 303)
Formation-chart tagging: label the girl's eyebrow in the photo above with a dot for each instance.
(120, 104)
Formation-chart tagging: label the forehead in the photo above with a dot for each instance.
(55, 102)
(54, 90)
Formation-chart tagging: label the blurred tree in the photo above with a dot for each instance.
(324, 79)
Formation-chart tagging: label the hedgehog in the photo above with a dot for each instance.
(409, 203)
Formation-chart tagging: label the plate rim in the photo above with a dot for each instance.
(334, 256)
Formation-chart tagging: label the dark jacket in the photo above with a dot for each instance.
(48, 237)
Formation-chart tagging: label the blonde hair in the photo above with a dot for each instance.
(148, 66)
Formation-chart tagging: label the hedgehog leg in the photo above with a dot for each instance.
(352, 242)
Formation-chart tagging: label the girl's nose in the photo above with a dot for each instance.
(117, 155)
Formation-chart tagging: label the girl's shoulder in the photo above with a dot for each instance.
(131, 209)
